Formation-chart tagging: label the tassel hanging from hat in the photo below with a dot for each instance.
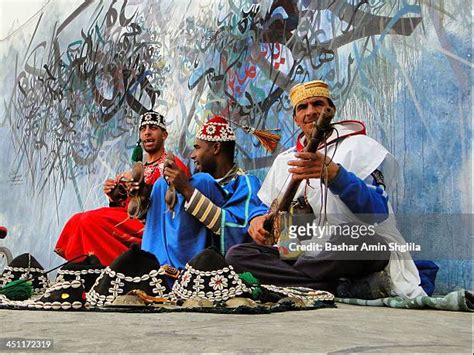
(22, 289)
(137, 154)
(267, 139)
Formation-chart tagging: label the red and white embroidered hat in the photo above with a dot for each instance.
(217, 129)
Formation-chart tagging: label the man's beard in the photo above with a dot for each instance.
(208, 167)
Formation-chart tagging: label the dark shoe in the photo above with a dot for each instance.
(371, 287)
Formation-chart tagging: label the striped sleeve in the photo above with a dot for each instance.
(205, 211)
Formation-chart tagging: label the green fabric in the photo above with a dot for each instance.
(249, 279)
(253, 283)
(455, 301)
(18, 290)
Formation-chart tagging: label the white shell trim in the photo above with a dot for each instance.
(203, 278)
(96, 299)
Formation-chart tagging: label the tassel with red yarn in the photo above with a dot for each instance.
(267, 139)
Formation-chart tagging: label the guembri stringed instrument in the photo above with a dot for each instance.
(320, 132)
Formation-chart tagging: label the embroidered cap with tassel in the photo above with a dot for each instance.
(148, 118)
(217, 129)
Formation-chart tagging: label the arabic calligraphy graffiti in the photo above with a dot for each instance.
(67, 95)
(72, 96)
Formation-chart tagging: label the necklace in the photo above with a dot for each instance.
(151, 167)
(156, 161)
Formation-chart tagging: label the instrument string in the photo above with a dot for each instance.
(324, 177)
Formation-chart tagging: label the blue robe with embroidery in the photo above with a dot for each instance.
(176, 239)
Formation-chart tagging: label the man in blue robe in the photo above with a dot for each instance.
(213, 207)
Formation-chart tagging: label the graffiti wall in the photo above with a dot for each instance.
(77, 74)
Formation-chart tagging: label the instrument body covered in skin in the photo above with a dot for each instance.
(139, 198)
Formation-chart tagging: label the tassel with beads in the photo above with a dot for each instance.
(137, 154)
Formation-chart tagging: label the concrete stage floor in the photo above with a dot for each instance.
(347, 329)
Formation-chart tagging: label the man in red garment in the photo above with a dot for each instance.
(108, 231)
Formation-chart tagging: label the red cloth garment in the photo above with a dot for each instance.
(106, 232)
